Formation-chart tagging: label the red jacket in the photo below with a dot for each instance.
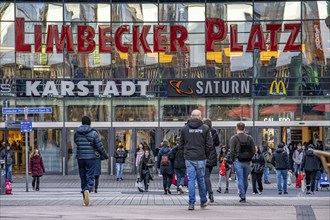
(37, 167)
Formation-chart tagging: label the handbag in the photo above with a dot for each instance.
(222, 171)
(138, 183)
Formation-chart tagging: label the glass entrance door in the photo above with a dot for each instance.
(270, 136)
(47, 141)
(130, 138)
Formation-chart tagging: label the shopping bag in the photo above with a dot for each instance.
(138, 183)
(289, 178)
(299, 179)
(9, 187)
(222, 171)
(174, 180)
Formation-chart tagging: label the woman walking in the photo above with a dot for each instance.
(165, 166)
(258, 165)
(37, 168)
(224, 155)
(145, 169)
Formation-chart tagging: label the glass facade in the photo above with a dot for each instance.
(134, 42)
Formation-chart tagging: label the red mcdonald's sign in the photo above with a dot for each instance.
(86, 42)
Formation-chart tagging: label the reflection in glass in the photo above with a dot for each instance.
(229, 109)
(7, 11)
(55, 104)
(96, 109)
(277, 10)
(230, 11)
(180, 109)
(135, 110)
(271, 110)
(316, 109)
(49, 144)
(87, 12)
(40, 11)
(134, 12)
(315, 9)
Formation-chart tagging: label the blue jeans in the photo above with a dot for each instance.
(296, 168)
(86, 173)
(9, 170)
(284, 174)
(196, 170)
(180, 173)
(120, 170)
(266, 174)
(242, 170)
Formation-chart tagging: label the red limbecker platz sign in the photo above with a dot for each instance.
(216, 30)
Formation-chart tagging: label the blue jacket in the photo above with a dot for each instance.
(88, 141)
(164, 169)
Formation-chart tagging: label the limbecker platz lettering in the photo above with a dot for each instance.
(216, 31)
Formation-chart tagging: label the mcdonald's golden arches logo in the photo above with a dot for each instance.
(277, 86)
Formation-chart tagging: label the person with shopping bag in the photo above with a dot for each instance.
(225, 168)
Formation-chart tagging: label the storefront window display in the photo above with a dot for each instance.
(97, 109)
(230, 109)
(135, 110)
(176, 109)
(55, 104)
(284, 109)
(316, 109)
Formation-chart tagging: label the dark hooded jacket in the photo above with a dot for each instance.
(310, 162)
(280, 159)
(88, 141)
(196, 140)
(176, 156)
(165, 150)
(212, 160)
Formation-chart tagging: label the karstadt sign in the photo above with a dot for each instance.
(79, 88)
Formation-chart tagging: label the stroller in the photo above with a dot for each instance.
(324, 181)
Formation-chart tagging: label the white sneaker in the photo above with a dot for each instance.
(229, 179)
(86, 197)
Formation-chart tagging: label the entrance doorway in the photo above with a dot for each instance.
(130, 138)
(47, 141)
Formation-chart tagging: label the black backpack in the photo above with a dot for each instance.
(245, 152)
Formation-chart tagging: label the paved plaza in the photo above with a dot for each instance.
(59, 198)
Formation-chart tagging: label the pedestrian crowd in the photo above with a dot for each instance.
(190, 161)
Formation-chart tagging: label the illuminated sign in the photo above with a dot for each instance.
(216, 31)
(277, 86)
(209, 87)
(80, 88)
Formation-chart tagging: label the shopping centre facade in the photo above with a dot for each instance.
(138, 69)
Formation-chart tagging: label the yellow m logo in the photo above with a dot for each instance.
(277, 88)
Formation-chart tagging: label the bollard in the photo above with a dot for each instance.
(2, 177)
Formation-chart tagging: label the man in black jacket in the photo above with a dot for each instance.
(197, 143)
(310, 165)
(281, 163)
(88, 141)
(211, 160)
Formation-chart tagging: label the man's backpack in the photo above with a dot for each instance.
(165, 161)
(245, 152)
